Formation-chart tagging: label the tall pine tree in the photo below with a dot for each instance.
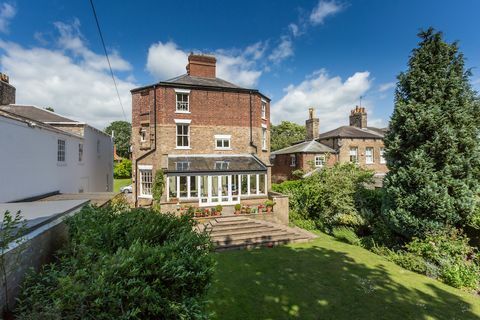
(432, 146)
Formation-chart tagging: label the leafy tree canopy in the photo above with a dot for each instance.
(285, 134)
(432, 146)
(122, 132)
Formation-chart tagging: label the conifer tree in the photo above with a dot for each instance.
(432, 146)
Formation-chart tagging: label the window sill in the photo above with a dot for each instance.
(180, 111)
(264, 150)
(61, 164)
(183, 148)
(264, 118)
(223, 149)
(369, 163)
(145, 197)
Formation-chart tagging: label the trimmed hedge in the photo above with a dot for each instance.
(136, 264)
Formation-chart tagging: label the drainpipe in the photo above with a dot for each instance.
(154, 143)
(251, 124)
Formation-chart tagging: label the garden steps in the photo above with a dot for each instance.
(239, 232)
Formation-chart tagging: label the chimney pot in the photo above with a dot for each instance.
(201, 65)
(312, 126)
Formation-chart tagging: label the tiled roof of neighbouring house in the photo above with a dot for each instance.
(311, 146)
(35, 113)
(354, 132)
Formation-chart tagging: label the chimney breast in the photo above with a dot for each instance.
(358, 117)
(7, 91)
(201, 65)
(312, 125)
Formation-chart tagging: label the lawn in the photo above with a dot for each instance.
(118, 183)
(328, 279)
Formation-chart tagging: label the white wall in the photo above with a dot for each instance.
(29, 166)
(98, 166)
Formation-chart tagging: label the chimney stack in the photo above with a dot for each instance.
(358, 117)
(7, 91)
(312, 125)
(201, 65)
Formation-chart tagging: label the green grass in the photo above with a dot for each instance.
(118, 183)
(328, 279)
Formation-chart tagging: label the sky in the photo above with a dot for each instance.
(324, 54)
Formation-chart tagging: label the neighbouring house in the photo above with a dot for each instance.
(357, 143)
(44, 152)
(210, 137)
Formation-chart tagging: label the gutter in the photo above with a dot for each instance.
(251, 124)
(154, 143)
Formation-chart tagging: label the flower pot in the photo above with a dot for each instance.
(269, 209)
(237, 211)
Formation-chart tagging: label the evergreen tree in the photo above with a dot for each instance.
(432, 146)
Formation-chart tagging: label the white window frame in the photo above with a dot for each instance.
(319, 160)
(369, 158)
(61, 150)
(353, 152)
(264, 109)
(143, 135)
(182, 122)
(293, 160)
(143, 168)
(264, 137)
(382, 156)
(177, 102)
(223, 138)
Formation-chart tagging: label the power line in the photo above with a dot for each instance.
(108, 60)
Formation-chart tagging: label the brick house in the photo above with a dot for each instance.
(210, 137)
(356, 142)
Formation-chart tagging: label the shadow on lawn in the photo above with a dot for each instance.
(317, 283)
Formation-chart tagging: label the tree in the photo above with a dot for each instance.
(285, 134)
(123, 169)
(122, 132)
(432, 146)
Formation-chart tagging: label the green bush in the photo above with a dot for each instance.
(327, 197)
(346, 234)
(134, 264)
(450, 251)
(123, 169)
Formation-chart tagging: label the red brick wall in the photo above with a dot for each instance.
(282, 170)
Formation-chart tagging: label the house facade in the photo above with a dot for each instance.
(357, 143)
(44, 153)
(210, 138)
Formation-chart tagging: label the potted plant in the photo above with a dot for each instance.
(238, 208)
(198, 212)
(218, 209)
(248, 210)
(206, 212)
(243, 210)
(269, 204)
(261, 208)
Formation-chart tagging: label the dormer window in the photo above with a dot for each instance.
(182, 101)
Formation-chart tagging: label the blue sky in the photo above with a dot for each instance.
(324, 54)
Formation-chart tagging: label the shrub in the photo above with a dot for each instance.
(450, 251)
(123, 169)
(134, 264)
(346, 235)
(238, 207)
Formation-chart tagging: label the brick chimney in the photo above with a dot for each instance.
(201, 65)
(358, 117)
(312, 125)
(7, 91)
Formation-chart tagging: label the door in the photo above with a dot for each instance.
(219, 191)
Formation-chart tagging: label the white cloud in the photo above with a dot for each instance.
(294, 29)
(386, 86)
(282, 51)
(330, 96)
(323, 10)
(7, 12)
(71, 79)
(167, 60)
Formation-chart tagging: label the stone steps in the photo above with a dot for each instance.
(232, 232)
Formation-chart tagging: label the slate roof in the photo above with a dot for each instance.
(35, 113)
(200, 81)
(354, 132)
(311, 146)
(211, 164)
